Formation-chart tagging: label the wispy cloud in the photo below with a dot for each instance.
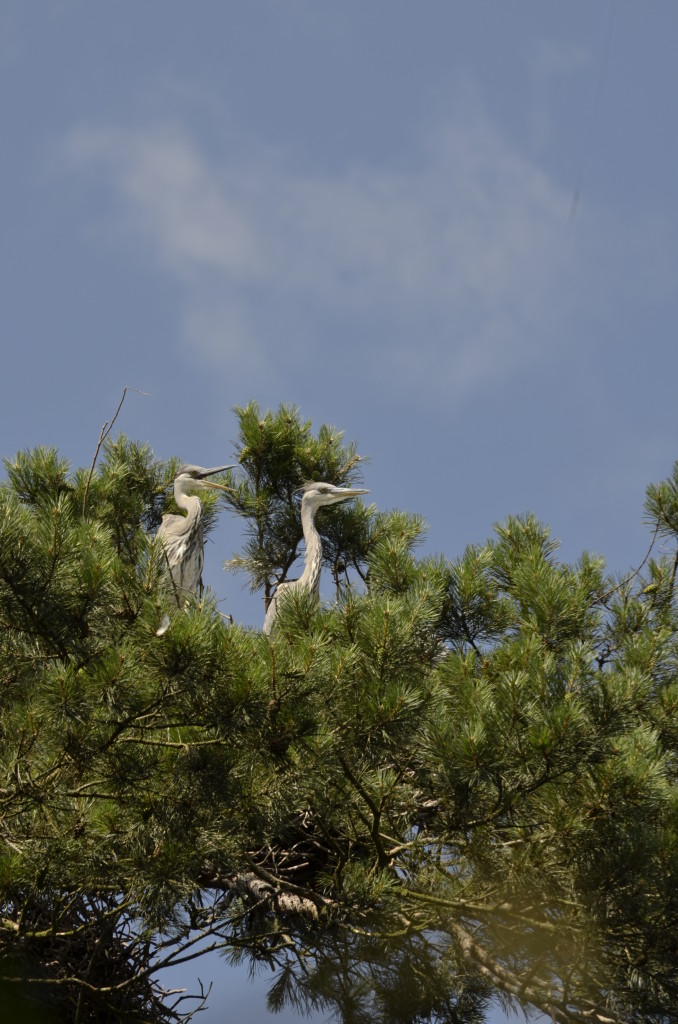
(173, 198)
(455, 260)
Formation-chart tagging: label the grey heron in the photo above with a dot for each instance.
(182, 537)
(315, 496)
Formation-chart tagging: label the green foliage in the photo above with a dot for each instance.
(456, 782)
(661, 504)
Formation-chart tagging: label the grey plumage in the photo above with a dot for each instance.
(316, 495)
(182, 536)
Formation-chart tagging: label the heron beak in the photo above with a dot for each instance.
(214, 471)
(348, 492)
(212, 485)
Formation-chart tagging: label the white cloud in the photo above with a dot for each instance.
(455, 260)
(172, 197)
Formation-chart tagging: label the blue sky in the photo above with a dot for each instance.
(448, 228)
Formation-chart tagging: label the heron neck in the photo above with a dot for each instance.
(310, 578)
(190, 503)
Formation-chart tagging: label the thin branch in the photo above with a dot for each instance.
(545, 995)
(375, 828)
(167, 743)
(612, 590)
(105, 431)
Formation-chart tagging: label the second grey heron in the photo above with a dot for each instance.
(182, 536)
(316, 495)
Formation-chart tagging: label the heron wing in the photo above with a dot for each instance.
(183, 546)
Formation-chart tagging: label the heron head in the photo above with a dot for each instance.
(195, 478)
(318, 493)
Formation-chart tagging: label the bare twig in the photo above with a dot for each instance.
(627, 579)
(105, 431)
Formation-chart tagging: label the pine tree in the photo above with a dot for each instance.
(456, 781)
